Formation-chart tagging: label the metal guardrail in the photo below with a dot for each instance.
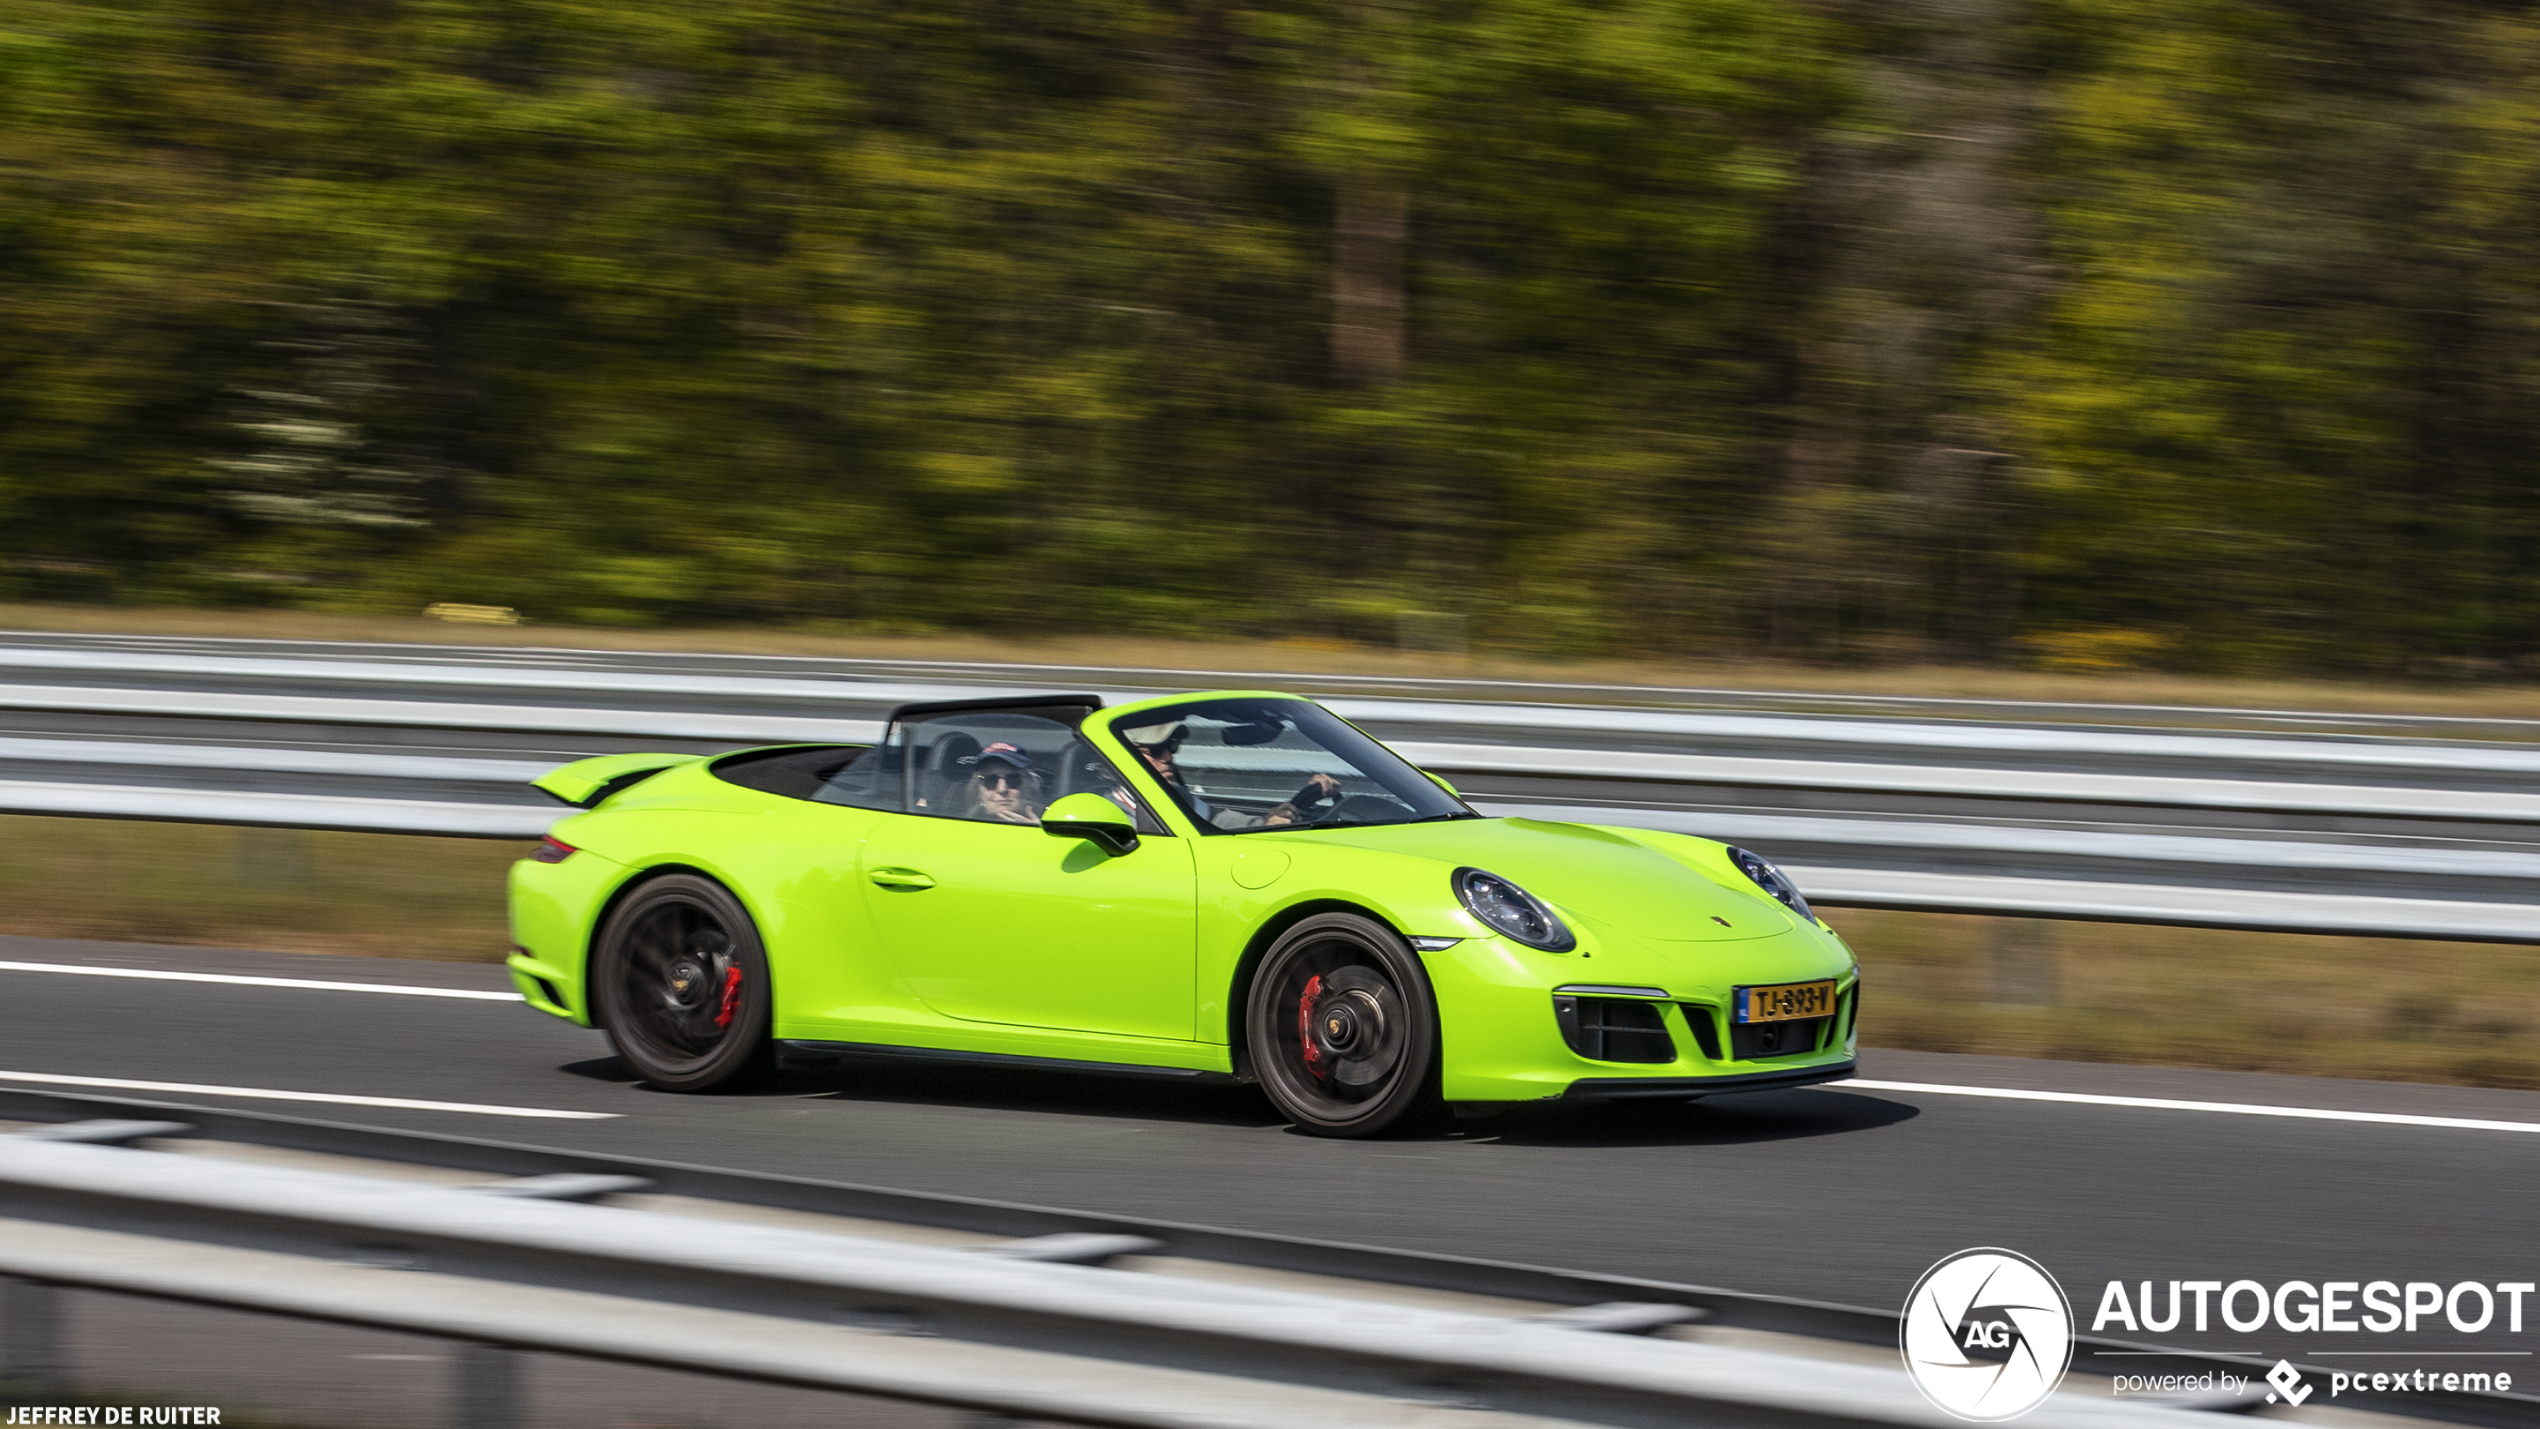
(289, 811)
(2338, 834)
(543, 683)
(2328, 800)
(1460, 1275)
(1012, 1329)
(2333, 800)
(2103, 901)
(1018, 1328)
(1396, 684)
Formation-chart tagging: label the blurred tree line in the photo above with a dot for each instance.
(2098, 330)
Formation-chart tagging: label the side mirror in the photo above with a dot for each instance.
(1441, 783)
(1091, 816)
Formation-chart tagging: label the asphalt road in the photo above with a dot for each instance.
(1830, 1194)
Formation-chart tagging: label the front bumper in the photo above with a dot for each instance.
(1613, 1087)
(1502, 1041)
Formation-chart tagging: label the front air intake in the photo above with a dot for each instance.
(1703, 1019)
(1614, 1029)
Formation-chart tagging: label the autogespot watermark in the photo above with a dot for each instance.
(1988, 1335)
(2303, 1307)
(2329, 1307)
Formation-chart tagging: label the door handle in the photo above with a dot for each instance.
(900, 878)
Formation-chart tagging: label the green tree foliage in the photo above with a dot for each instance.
(2281, 404)
(1681, 326)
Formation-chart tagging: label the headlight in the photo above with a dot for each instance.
(1512, 911)
(1772, 880)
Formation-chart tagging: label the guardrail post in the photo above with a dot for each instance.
(31, 1334)
(487, 1390)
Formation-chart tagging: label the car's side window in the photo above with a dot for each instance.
(1003, 767)
(1242, 765)
(1087, 772)
(874, 780)
(991, 766)
(988, 766)
(796, 772)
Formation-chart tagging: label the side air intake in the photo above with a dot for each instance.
(1614, 1029)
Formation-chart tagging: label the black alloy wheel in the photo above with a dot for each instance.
(680, 985)
(1342, 1027)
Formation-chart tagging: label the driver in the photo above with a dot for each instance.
(1157, 745)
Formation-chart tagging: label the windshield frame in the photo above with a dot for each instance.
(1428, 800)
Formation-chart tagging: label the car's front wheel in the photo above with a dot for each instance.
(680, 985)
(1342, 1027)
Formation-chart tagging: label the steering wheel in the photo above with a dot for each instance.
(1363, 808)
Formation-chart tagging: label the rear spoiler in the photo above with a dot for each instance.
(585, 782)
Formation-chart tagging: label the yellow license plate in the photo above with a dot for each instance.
(1787, 1002)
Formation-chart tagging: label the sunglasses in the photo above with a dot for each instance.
(1001, 781)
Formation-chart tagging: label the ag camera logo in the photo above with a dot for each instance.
(1987, 1334)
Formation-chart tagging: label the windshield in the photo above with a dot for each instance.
(1238, 766)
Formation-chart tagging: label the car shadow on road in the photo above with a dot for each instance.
(1718, 1121)
(1721, 1121)
(928, 1083)
(912, 1082)
(600, 1069)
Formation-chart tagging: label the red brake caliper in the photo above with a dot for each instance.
(1305, 1027)
(731, 998)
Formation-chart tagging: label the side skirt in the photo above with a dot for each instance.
(792, 1053)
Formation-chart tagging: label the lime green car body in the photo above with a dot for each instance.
(1014, 944)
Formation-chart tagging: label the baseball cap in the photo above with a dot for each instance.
(1169, 732)
(1004, 753)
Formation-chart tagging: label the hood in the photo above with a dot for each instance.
(1595, 875)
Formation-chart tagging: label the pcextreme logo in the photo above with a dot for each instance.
(1987, 1334)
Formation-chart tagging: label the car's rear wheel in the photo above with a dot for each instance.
(1342, 1027)
(680, 985)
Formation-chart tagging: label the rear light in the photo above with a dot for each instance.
(552, 850)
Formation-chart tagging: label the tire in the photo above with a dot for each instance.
(1343, 1029)
(679, 982)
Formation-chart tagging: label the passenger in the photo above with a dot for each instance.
(1158, 743)
(1002, 786)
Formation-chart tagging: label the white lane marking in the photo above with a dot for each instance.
(2390, 1118)
(268, 1094)
(398, 989)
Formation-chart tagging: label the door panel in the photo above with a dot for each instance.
(1004, 923)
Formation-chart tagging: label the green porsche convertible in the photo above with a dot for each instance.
(1232, 886)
